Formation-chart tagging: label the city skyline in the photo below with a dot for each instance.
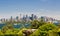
(50, 8)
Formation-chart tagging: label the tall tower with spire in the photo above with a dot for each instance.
(20, 16)
(11, 18)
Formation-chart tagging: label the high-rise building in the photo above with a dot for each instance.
(1, 20)
(17, 18)
(4, 19)
(11, 18)
(42, 18)
(35, 17)
(20, 16)
(32, 16)
(26, 16)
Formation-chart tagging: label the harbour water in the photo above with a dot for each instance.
(17, 25)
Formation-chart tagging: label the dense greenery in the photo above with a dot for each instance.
(42, 29)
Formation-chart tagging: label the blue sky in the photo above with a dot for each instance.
(50, 8)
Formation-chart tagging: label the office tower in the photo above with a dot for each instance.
(24, 17)
(1, 20)
(11, 18)
(32, 16)
(27, 18)
(42, 19)
(35, 17)
(20, 16)
(17, 18)
(4, 19)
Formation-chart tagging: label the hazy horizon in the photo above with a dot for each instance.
(50, 8)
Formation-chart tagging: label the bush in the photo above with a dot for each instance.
(20, 33)
(47, 27)
(36, 33)
(1, 33)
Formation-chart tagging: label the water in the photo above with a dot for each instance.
(17, 25)
(1, 25)
(21, 25)
(27, 25)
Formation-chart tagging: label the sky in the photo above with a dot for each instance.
(50, 8)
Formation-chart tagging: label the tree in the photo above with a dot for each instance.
(20, 33)
(1, 33)
(44, 30)
(35, 24)
(4, 29)
(58, 31)
(47, 27)
(36, 33)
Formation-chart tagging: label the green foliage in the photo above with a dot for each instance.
(4, 29)
(1, 33)
(52, 33)
(20, 33)
(43, 33)
(35, 24)
(9, 32)
(47, 27)
(44, 30)
(39, 33)
(36, 33)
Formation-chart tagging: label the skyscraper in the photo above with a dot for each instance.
(35, 17)
(20, 17)
(4, 19)
(26, 16)
(17, 18)
(11, 19)
(32, 16)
